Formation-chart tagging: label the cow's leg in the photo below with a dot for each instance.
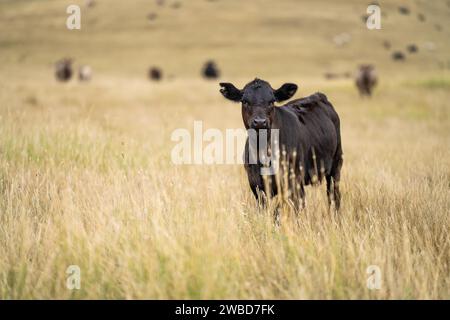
(336, 180)
(260, 195)
(329, 191)
(333, 180)
(362, 92)
(256, 184)
(258, 187)
(299, 197)
(302, 196)
(273, 191)
(337, 195)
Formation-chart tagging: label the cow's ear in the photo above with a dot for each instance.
(230, 92)
(286, 91)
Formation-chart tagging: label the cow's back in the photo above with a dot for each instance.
(320, 133)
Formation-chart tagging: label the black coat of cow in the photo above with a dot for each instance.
(309, 133)
(63, 69)
(366, 79)
(210, 70)
(155, 73)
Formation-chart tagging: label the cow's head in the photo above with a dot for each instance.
(258, 101)
(64, 63)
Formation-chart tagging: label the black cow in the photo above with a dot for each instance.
(403, 10)
(155, 73)
(398, 56)
(366, 79)
(63, 69)
(210, 70)
(412, 48)
(309, 137)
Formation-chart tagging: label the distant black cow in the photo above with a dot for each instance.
(155, 73)
(398, 56)
(210, 70)
(63, 69)
(309, 137)
(403, 10)
(412, 48)
(366, 79)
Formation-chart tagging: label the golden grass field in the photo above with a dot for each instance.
(86, 176)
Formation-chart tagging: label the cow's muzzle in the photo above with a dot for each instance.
(259, 123)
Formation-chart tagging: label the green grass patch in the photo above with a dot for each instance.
(435, 83)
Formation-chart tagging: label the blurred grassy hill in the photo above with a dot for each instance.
(286, 39)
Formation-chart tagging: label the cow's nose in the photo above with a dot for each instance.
(259, 123)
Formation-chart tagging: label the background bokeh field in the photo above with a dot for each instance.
(86, 176)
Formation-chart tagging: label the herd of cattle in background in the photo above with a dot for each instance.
(365, 77)
(64, 71)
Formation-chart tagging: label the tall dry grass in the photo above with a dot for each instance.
(77, 189)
